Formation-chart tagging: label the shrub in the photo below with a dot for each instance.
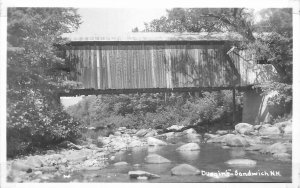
(154, 110)
(279, 105)
(31, 123)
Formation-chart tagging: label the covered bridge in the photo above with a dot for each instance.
(158, 62)
(166, 62)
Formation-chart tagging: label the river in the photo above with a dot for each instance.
(209, 159)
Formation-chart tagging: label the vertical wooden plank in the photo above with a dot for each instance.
(153, 67)
(112, 64)
(129, 66)
(92, 67)
(108, 69)
(98, 67)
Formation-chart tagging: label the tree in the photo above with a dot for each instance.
(35, 75)
(271, 39)
(274, 48)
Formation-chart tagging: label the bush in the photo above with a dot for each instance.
(279, 105)
(32, 123)
(154, 110)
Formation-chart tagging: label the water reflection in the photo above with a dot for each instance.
(163, 168)
(237, 152)
(189, 155)
(155, 149)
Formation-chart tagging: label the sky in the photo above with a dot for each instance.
(114, 21)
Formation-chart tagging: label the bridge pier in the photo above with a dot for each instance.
(255, 109)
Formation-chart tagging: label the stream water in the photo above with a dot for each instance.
(210, 158)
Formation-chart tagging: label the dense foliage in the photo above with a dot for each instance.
(154, 110)
(34, 77)
(270, 39)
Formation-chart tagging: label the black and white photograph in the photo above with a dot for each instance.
(166, 94)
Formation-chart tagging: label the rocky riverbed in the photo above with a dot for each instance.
(270, 142)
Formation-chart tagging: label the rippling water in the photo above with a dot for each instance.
(210, 158)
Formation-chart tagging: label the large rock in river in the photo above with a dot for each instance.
(190, 131)
(155, 142)
(138, 173)
(21, 166)
(76, 157)
(244, 128)
(135, 143)
(241, 162)
(142, 132)
(34, 162)
(151, 133)
(236, 141)
(189, 147)
(288, 129)
(156, 159)
(274, 148)
(185, 170)
(175, 128)
(269, 130)
(122, 163)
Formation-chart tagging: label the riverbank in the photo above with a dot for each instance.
(272, 142)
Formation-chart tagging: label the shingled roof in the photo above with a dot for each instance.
(159, 36)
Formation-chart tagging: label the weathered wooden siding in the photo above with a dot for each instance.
(160, 66)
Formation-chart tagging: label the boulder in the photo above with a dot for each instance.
(119, 145)
(257, 127)
(208, 136)
(282, 156)
(169, 135)
(221, 132)
(269, 130)
(274, 148)
(156, 159)
(151, 133)
(283, 124)
(179, 134)
(236, 141)
(122, 129)
(122, 163)
(155, 142)
(244, 128)
(254, 148)
(34, 162)
(90, 162)
(76, 157)
(190, 131)
(103, 140)
(142, 132)
(138, 174)
(288, 129)
(175, 128)
(241, 162)
(193, 137)
(225, 147)
(220, 139)
(184, 170)
(135, 143)
(118, 133)
(21, 166)
(189, 147)
(69, 145)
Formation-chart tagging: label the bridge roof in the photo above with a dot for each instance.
(158, 36)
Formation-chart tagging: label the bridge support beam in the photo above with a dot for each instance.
(234, 106)
(255, 109)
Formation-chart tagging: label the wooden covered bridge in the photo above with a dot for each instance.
(162, 62)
